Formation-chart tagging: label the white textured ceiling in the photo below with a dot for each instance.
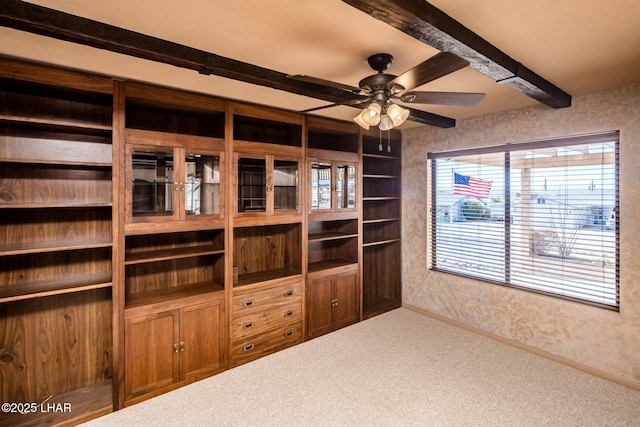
(581, 46)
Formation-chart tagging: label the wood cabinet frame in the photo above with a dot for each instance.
(92, 140)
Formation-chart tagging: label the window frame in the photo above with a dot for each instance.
(506, 149)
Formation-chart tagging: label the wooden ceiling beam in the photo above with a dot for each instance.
(63, 26)
(430, 25)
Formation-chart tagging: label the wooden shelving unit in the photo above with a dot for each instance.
(333, 226)
(332, 244)
(175, 241)
(56, 225)
(381, 224)
(173, 265)
(268, 252)
(267, 227)
(170, 236)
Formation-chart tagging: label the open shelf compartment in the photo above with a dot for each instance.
(267, 252)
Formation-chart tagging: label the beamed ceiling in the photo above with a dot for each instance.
(520, 53)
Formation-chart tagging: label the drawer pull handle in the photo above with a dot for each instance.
(248, 347)
(289, 333)
(288, 313)
(175, 348)
(247, 325)
(288, 294)
(248, 303)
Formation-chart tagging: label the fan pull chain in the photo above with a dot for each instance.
(389, 141)
(380, 145)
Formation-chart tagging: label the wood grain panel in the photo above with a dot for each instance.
(53, 345)
(21, 229)
(151, 360)
(53, 186)
(34, 149)
(147, 277)
(25, 269)
(381, 276)
(202, 331)
(54, 103)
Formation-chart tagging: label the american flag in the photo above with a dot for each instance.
(465, 185)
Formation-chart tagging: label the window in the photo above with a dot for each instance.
(541, 216)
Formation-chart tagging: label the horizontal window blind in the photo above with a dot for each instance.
(541, 216)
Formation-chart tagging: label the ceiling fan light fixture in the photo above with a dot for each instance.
(397, 114)
(360, 122)
(371, 114)
(386, 123)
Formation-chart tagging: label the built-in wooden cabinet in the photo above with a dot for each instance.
(173, 182)
(266, 319)
(169, 236)
(264, 253)
(267, 164)
(333, 227)
(174, 159)
(175, 241)
(173, 345)
(381, 226)
(267, 262)
(166, 266)
(332, 244)
(332, 300)
(267, 184)
(56, 234)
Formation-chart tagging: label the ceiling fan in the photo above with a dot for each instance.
(379, 90)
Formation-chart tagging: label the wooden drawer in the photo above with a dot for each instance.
(253, 322)
(256, 301)
(256, 346)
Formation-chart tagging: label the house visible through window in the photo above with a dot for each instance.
(540, 216)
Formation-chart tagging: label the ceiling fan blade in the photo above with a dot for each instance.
(431, 119)
(328, 83)
(353, 103)
(466, 99)
(433, 68)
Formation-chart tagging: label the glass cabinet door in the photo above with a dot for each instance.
(153, 182)
(320, 186)
(346, 186)
(202, 184)
(285, 185)
(252, 184)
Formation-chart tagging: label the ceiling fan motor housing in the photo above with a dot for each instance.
(380, 61)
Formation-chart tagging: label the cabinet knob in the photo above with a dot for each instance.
(247, 303)
(175, 348)
(181, 346)
(248, 347)
(289, 293)
(247, 325)
(288, 334)
(288, 313)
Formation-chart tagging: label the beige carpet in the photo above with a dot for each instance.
(397, 369)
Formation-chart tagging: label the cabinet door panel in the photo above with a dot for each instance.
(201, 329)
(150, 358)
(319, 305)
(152, 176)
(347, 307)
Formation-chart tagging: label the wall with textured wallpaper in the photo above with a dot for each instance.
(596, 338)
